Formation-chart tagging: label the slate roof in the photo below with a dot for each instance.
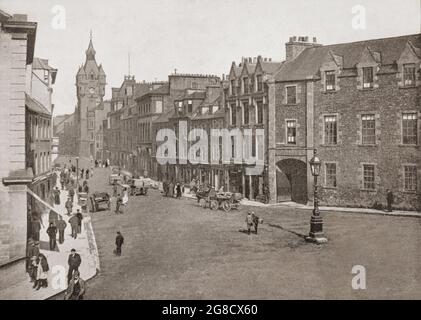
(270, 67)
(35, 106)
(310, 60)
(165, 117)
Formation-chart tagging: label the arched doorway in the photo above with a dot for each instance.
(291, 181)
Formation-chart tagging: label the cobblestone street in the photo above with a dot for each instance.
(176, 250)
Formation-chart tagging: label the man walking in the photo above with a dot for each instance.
(389, 200)
(69, 206)
(79, 216)
(71, 193)
(74, 224)
(52, 234)
(56, 196)
(61, 226)
(76, 288)
(119, 240)
(74, 262)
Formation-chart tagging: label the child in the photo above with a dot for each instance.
(249, 221)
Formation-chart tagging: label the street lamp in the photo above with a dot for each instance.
(77, 173)
(316, 223)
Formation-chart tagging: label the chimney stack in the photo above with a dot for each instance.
(295, 46)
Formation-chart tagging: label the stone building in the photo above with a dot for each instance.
(359, 105)
(17, 39)
(90, 88)
(39, 132)
(64, 130)
(149, 107)
(121, 134)
(247, 102)
(185, 93)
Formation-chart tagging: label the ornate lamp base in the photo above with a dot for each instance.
(316, 234)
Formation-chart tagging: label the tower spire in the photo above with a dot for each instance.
(90, 52)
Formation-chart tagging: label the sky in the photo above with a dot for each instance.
(195, 36)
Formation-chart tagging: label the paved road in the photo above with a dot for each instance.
(177, 250)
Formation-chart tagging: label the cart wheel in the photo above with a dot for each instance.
(226, 205)
(214, 205)
(202, 203)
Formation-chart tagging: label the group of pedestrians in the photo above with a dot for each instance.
(171, 189)
(36, 265)
(86, 173)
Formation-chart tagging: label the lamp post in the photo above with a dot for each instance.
(316, 222)
(77, 174)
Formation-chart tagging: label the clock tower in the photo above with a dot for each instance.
(90, 88)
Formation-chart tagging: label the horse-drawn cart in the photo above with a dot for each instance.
(225, 200)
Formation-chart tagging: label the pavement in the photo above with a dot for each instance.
(85, 245)
(294, 205)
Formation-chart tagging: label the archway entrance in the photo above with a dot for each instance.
(291, 181)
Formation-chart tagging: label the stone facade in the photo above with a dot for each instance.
(357, 108)
(247, 103)
(17, 39)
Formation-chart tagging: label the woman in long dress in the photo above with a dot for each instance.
(42, 272)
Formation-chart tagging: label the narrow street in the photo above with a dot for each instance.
(176, 250)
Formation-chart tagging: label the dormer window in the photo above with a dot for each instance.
(368, 78)
(409, 74)
(215, 108)
(189, 106)
(330, 79)
(259, 82)
(246, 85)
(205, 110)
(233, 91)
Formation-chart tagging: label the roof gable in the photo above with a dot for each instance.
(410, 53)
(369, 57)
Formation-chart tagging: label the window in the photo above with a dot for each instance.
(368, 176)
(194, 85)
(291, 132)
(46, 75)
(368, 129)
(232, 147)
(330, 80)
(180, 106)
(189, 106)
(330, 175)
(259, 112)
(368, 77)
(409, 128)
(246, 85)
(291, 95)
(233, 88)
(233, 115)
(158, 106)
(215, 108)
(205, 110)
(409, 74)
(410, 175)
(331, 135)
(246, 112)
(259, 82)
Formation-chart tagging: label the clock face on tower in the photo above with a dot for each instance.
(92, 90)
